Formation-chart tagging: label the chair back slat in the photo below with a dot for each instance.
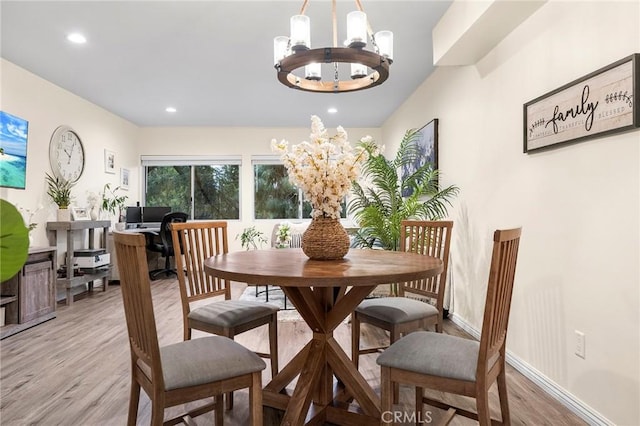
(499, 292)
(138, 304)
(431, 238)
(194, 242)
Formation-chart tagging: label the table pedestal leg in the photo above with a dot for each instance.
(319, 362)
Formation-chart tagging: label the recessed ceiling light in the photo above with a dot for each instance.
(170, 109)
(77, 38)
(332, 110)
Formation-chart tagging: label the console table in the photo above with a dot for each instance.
(72, 228)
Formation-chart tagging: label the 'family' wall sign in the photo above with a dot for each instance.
(596, 105)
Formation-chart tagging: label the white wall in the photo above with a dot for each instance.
(46, 107)
(578, 204)
(237, 141)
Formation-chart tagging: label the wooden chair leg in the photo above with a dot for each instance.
(273, 344)
(219, 410)
(255, 400)
(134, 400)
(355, 340)
(502, 393)
(157, 412)
(418, 402)
(394, 335)
(482, 404)
(386, 395)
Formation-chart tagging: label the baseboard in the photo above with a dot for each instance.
(582, 410)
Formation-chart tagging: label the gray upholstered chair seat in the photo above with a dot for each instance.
(396, 310)
(434, 354)
(231, 313)
(204, 360)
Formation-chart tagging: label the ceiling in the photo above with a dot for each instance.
(211, 60)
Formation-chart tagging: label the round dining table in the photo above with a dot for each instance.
(324, 292)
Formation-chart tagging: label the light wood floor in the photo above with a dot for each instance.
(75, 369)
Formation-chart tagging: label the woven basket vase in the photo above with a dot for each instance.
(325, 239)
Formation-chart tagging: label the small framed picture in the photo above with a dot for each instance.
(79, 213)
(124, 179)
(109, 162)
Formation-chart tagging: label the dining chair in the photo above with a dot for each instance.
(193, 243)
(181, 372)
(403, 314)
(165, 245)
(454, 364)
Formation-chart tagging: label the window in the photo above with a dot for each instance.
(203, 188)
(274, 196)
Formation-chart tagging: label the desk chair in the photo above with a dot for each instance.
(193, 243)
(181, 372)
(402, 315)
(165, 245)
(456, 365)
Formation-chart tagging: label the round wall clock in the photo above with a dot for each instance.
(66, 154)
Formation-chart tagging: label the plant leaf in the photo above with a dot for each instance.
(14, 240)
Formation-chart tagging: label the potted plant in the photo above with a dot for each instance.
(60, 192)
(251, 237)
(379, 207)
(112, 202)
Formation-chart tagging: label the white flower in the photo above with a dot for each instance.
(323, 168)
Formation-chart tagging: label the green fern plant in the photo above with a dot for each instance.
(379, 207)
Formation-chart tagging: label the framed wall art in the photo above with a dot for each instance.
(13, 151)
(109, 162)
(124, 179)
(427, 144)
(599, 104)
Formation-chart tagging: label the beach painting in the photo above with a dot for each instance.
(13, 151)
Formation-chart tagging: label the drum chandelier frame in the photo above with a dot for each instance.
(369, 68)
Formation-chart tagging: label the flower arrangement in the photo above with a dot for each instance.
(93, 200)
(323, 168)
(283, 235)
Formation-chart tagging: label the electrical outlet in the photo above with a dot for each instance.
(580, 344)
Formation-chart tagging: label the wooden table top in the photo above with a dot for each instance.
(291, 267)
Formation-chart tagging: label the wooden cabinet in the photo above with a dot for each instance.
(71, 229)
(29, 297)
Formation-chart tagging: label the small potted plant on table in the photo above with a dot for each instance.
(60, 192)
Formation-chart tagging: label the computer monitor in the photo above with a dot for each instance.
(154, 214)
(134, 214)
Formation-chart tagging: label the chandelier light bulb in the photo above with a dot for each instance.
(358, 71)
(313, 71)
(384, 41)
(357, 29)
(300, 32)
(280, 48)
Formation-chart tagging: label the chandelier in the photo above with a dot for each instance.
(369, 68)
